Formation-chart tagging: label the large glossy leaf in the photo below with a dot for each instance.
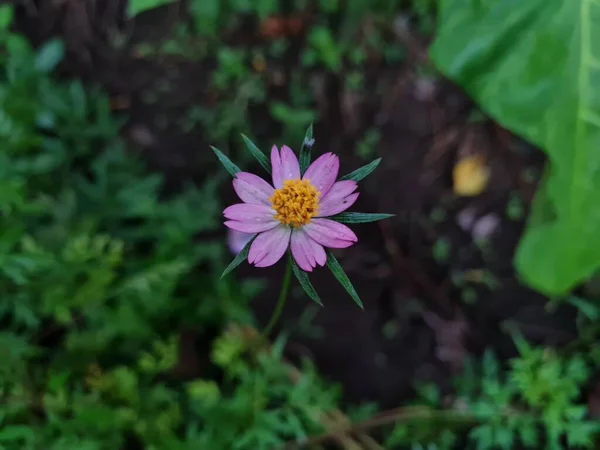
(534, 66)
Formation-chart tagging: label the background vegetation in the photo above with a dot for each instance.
(117, 330)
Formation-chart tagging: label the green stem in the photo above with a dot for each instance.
(285, 287)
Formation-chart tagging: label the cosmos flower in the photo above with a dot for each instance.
(293, 211)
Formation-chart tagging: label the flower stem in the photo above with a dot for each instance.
(285, 287)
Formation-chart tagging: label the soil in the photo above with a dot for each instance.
(418, 323)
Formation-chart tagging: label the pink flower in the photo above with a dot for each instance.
(293, 211)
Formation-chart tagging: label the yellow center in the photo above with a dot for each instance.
(296, 202)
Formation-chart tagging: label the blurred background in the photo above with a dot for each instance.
(117, 330)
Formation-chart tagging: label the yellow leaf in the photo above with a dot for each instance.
(470, 176)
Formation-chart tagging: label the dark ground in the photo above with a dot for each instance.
(418, 322)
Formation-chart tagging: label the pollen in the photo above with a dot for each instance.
(296, 203)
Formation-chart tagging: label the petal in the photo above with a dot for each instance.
(252, 189)
(245, 212)
(337, 208)
(250, 218)
(306, 251)
(269, 247)
(338, 199)
(276, 168)
(323, 172)
(289, 163)
(285, 166)
(247, 227)
(330, 233)
(237, 240)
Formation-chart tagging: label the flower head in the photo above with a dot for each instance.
(292, 211)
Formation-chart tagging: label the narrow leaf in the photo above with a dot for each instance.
(6, 17)
(136, 7)
(257, 153)
(357, 217)
(229, 166)
(341, 276)
(241, 256)
(362, 172)
(307, 145)
(302, 278)
(49, 55)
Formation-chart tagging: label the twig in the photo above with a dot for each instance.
(387, 418)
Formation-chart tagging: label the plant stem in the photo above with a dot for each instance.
(285, 287)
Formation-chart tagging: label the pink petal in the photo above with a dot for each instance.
(250, 218)
(330, 233)
(269, 247)
(245, 212)
(306, 251)
(338, 199)
(252, 189)
(237, 240)
(337, 208)
(284, 165)
(247, 227)
(323, 172)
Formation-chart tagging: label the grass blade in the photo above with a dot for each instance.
(307, 145)
(302, 278)
(257, 153)
(341, 276)
(241, 256)
(357, 217)
(229, 166)
(362, 172)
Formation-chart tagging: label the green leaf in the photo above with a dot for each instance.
(229, 166)
(302, 278)
(6, 17)
(534, 67)
(241, 257)
(288, 115)
(341, 276)
(258, 154)
(49, 55)
(362, 172)
(307, 145)
(136, 7)
(13, 433)
(357, 217)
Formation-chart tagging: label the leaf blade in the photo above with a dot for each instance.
(362, 172)
(307, 145)
(136, 7)
(227, 163)
(257, 153)
(302, 278)
(240, 257)
(357, 217)
(340, 275)
(548, 101)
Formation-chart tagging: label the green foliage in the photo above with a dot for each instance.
(340, 275)
(362, 172)
(305, 283)
(533, 66)
(135, 7)
(240, 258)
(535, 404)
(96, 271)
(356, 217)
(227, 163)
(261, 405)
(305, 150)
(257, 153)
